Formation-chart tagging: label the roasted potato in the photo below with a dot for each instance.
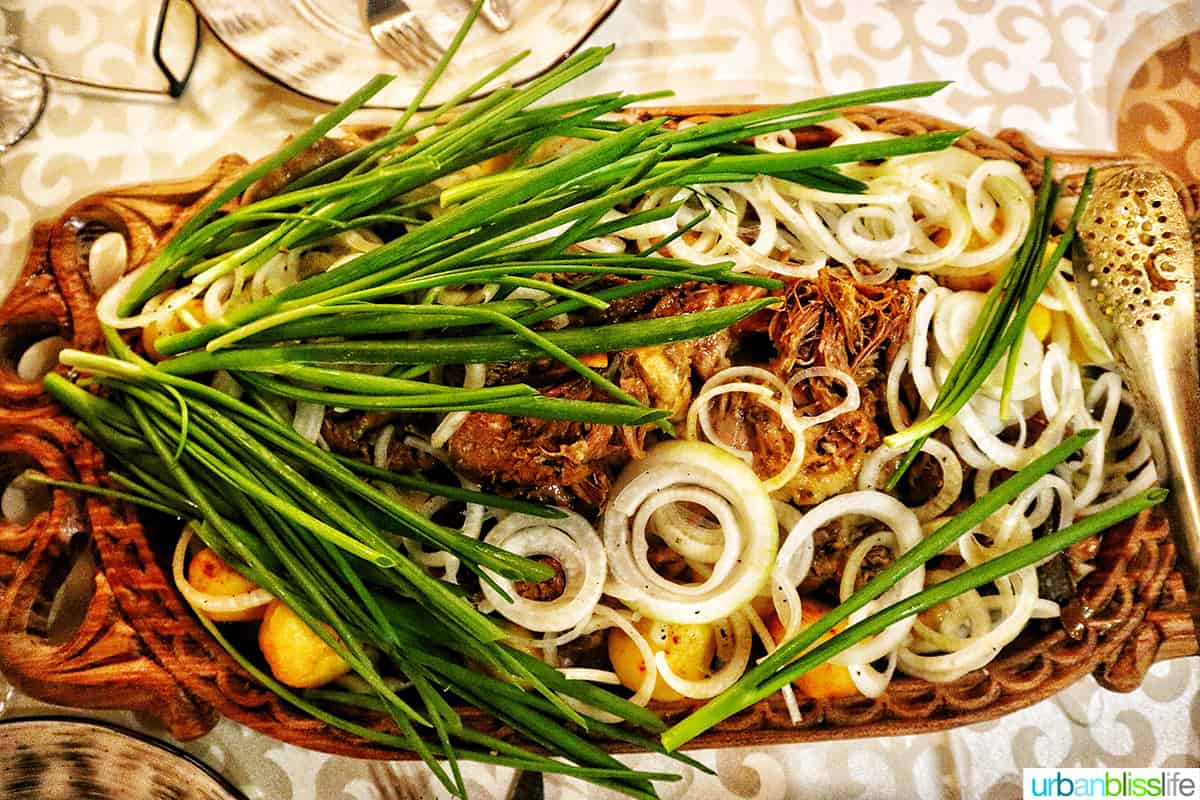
(192, 311)
(827, 680)
(689, 650)
(207, 573)
(298, 657)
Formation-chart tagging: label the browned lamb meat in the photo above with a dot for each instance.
(560, 462)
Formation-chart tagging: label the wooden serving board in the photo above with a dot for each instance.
(139, 647)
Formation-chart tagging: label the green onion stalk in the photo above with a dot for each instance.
(319, 536)
(1002, 321)
(794, 658)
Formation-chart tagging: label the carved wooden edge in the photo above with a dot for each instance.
(140, 648)
(112, 660)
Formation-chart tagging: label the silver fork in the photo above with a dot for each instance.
(396, 29)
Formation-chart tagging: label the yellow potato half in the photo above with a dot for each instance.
(296, 655)
(689, 650)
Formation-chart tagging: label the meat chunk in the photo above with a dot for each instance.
(833, 451)
(663, 376)
(833, 544)
(549, 589)
(555, 461)
(711, 354)
(572, 464)
(353, 435)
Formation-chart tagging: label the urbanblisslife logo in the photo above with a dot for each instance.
(1160, 783)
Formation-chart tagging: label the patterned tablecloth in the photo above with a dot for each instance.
(1074, 72)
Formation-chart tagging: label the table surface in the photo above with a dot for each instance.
(1057, 68)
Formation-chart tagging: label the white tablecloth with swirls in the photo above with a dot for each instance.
(1056, 67)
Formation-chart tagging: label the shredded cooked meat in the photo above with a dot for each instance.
(836, 321)
(832, 321)
(832, 546)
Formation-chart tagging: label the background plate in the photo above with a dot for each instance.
(322, 49)
(62, 758)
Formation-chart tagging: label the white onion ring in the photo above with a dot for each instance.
(871, 476)
(775, 395)
(851, 403)
(475, 377)
(1015, 602)
(874, 249)
(688, 535)
(383, 443)
(1006, 180)
(204, 602)
(106, 306)
(605, 617)
(797, 230)
(575, 545)
(218, 296)
(869, 681)
(308, 419)
(750, 533)
(791, 568)
(694, 541)
(733, 651)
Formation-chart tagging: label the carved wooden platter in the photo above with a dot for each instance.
(138, 647)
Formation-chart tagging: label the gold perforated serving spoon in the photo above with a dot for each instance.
(1136, 274)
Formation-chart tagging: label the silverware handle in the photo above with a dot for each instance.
(1178, 410)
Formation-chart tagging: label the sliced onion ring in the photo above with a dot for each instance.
(733, 651)
(871, 476)
(750, 533)
(204, 602)
(575, 545)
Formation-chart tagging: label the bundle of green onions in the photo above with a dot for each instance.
(512, 230)
(315, 529)
(302, 524)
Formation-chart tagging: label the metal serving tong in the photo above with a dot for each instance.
(1135, 269)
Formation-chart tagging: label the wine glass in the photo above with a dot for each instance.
(22, 99)
(24, 84)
